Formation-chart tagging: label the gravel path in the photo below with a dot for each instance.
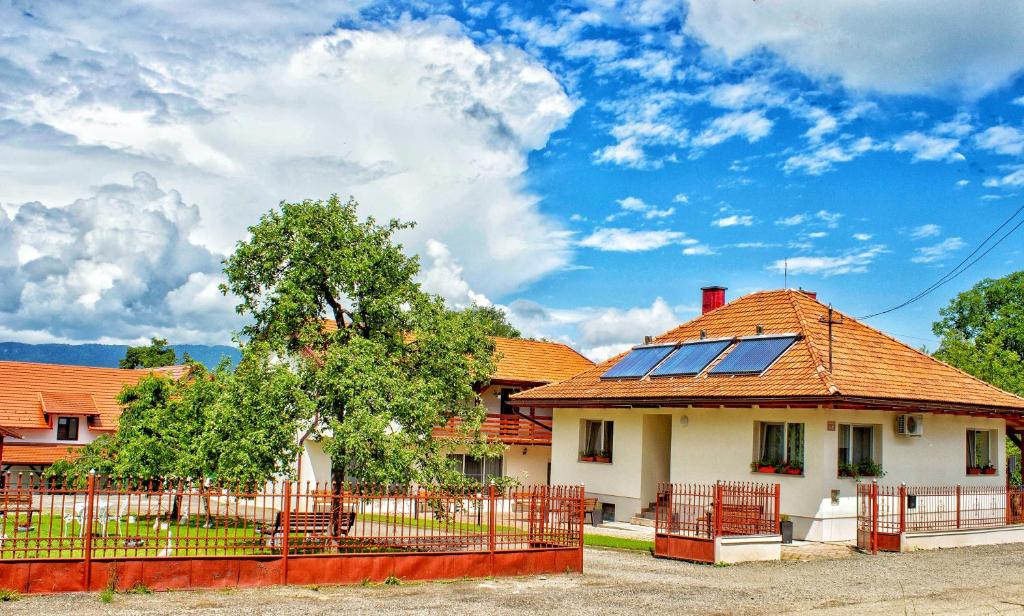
(969, 580)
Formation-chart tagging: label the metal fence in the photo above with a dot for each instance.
(154, 518)
(707, 511)
(893, 510)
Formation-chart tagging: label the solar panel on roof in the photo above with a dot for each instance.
(691, 358)
(753, 355)
(638, 362)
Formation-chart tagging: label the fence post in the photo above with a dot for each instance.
(903, 508)
(286, 523)
(718, 510)
(874, 516)
(87, 522)
(958, 505)
(490, 519)
(582, 513)
(777, 520)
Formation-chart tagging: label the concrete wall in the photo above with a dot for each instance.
(315, 464)
(531, 467)
(961, 538)
(49, 435)
(719, 444)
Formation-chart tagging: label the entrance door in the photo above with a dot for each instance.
(656, 456)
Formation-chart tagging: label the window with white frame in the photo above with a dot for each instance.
(860, 450)
(479, 469)
(780, 444)
(596, 440)
(979, 449)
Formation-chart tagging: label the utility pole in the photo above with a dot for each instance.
(831, 321)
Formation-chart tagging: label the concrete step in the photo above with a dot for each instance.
(639, 521)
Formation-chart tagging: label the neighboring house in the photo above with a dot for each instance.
(522, 364)
(777, 377)
(47, 409)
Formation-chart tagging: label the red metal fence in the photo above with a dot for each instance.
(285, 524)
(688, 517)
(884, 513)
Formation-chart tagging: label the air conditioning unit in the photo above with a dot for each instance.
(910, 425)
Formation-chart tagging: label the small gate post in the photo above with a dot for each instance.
(903, 509)
(286, 523)
(874, 516)
(87, 522)
(777, 520)
(583, 502)
(718, 510)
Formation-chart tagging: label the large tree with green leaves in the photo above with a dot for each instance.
(153, 355)
(220, 425)
(381, 361)
(981, 332)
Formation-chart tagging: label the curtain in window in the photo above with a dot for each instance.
(795, 444)
(772, 442)
(861, 444)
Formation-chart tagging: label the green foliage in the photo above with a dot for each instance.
(981, 332)
(392, 581)
(7, 594)
(866, 468)
(397, 364)
(220, 425)
(156, 354)
(618, 543)
(107, 595)
(493, 320)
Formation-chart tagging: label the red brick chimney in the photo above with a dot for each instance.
(810, 294)
(713, 297)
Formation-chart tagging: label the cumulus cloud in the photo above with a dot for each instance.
(118, 265)
(1001, 140)
(750, 125)
(197, 112)
(928, 147)
(938, 252)
(442, 275)
(925, 230)
(911, 47)
(851, 262)
(735, 220)
(619, 239)
(790, 221)
(637, 205)
(1014, 178)
(862, 237)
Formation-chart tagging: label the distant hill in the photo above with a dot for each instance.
(105, 355)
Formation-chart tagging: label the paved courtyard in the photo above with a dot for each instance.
(982, 580)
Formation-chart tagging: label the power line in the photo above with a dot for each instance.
(961, 267)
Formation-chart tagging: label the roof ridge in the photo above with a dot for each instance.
(80, 366)
(827, 379)
(929, 357)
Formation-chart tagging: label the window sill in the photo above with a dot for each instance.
(777, 474)
(594, 461)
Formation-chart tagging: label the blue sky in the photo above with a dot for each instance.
(588, 165)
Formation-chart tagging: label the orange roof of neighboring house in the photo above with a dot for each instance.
(536, 361)
(33, 454)
(866, 365)
(28, 390)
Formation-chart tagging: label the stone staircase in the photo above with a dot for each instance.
(645, 517)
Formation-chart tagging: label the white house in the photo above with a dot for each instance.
(774, 381)
(521, 365)
(47, 411)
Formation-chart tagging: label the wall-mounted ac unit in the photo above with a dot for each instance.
(910, 425)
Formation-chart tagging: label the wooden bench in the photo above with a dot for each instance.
(590, 507)
(747, 517)
(313, 524)
(17, 503)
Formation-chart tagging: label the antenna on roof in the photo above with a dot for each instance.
(785, 273)
(831, 321)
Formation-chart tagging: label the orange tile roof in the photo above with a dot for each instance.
(27, 388)
(536, 361)
(37, 453)
(867, 364)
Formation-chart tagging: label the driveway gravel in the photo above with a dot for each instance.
(980, 580)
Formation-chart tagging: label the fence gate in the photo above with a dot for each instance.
(867, 517)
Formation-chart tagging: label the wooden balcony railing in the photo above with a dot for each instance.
(508, 429)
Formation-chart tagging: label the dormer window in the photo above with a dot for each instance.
(67, 428)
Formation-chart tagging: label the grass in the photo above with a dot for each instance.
(617, 543)
(107, 595)
(6, 594)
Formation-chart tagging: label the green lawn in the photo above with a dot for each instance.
(619, 543)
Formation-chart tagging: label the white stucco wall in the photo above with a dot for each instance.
(49, 435)
(531, 467)
(718, 444)
(315, 463)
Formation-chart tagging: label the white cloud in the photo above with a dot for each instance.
(920, 47)
(962, 183)
(195, 110)
(1013, 179)
(1019, 100)
(618, 239)
(926, 230)
(831, 219)
(735, 220)
(637, 205)
(823, 157)
(938, 252)
(791, 221)
(700, 250)
(862, 237)
(117, 264)
(751, 125)
(627, 153)
(681, 198)
(816, 235)
(443, 276)
(852, 262)
(1001, 140)
(928, 147)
